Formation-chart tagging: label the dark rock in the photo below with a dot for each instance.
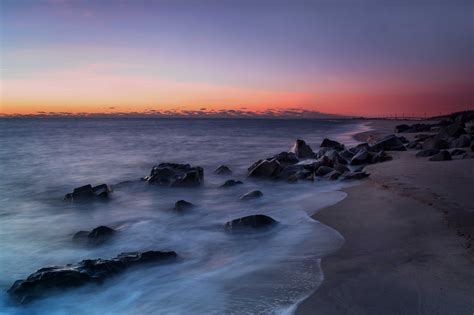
(81, 235)
(422, 136)
(380, 157)
(427, 152)
(346, 154)
(361, 157)
(256, 221)
(333, 175)
(413, 145)
(254, 194)
(341, 168)
(231, 183)
(402, 128)
(354, 175)
(87, 193)
(294, 171)
(463, 141)
(457, 152)
(176, 175)
(454, 130)
(403, 140)
(223, 170)
(324, 170)
(95, 237)
(441, 156)
(101, 232)
(285, 158)
(389, 143)
(302, 150)
(265, 168)
(327, 143)
(360, 147)
(182, 205)
(48, 280)
(435, 143)
(335, 157)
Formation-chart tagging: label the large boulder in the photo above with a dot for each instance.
(176, 175)
(335, 157)
(95, 237)
(254, 194)
(463, 141)
(441, 156)
(265, 168)
(223, 170)
(302, 150)
(435, 143)
(346, 154)
(362, 157)
(55, 279)
(256, 221)
(87, 193)
(451, 131)
(324, 170)
(389, 143)
(296, 171)
(427, 152)
(327, 143)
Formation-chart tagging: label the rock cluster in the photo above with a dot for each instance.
(47, 280)
(176, 175)
(88, 193)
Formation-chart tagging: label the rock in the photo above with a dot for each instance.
(435, 143)
(333, 175)
(463, 141)
(265, 168)
(403, 140)
(95, 237)
(294, 172)
(341, 168)
(361, 157)
(182, 205)
(285, 158)
(413, 145)
(231, 183)
(360, 147)
(441, 156)
(380, 157)
(354, 175)
(427, 152)
(389, 143)
(454, 130)
(256, 221)
(176, 175)
(223, 170)
(302, 150)
(346, 154)
(457, 152)
(254, 194)
(324, 170)
(48, 280)
(335, 157)
(402, 128)
(327, 143)
(87, 193)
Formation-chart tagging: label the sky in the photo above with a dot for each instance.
(367, 58)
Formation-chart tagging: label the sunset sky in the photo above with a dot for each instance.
(341, 57)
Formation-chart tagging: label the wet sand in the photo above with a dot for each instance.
(408, 231)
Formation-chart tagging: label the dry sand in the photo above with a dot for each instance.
(404, 252)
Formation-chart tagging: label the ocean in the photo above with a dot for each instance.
(42, 159)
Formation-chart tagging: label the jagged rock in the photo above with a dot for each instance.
(457, 152)
(335, 157)
(427, 152)
(285, 158)
(302, 150)
(354, 175)
(231, 183)
(463, 141)
(361, 157)
(87, 193)
(441, 156)
(265, 168)
(360, 147)
(334, 175)
(256, 221)
(346, 154)
(48, 280)
(176, 175)
(327, 143)
(380, 157)
(254, 194)
(435, 143)
(324, 170)
(182, 205)
(223, 170)
(294, 171)
(389, 143)
(341, 168)
(95, 237)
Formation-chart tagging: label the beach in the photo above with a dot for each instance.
(408, 231)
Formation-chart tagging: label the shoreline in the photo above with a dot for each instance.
(404, 253)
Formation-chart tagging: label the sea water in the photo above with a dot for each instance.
(217, 272)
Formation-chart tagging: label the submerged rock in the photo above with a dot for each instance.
(231, 182)
(254, 194)
(176, 175)
(87, 193)
(256, 221)
(48, 280)
(223, 170)
(302, 150)
(181, 205)
(96, 236)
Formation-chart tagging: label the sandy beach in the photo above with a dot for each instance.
(408, 231)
